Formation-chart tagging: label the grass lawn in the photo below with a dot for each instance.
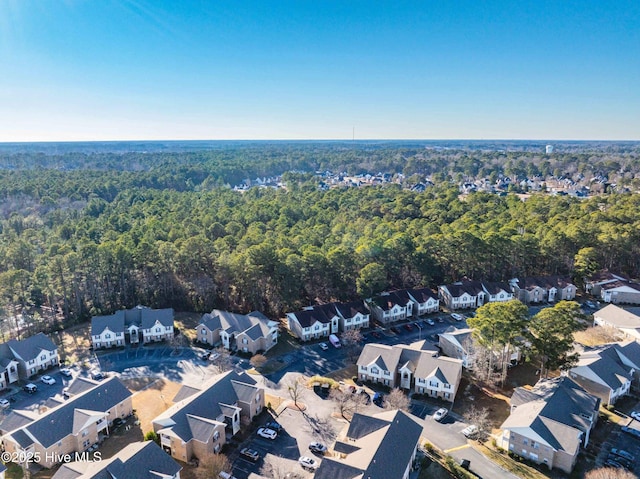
(153, 400)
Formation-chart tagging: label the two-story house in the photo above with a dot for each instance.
(382, 446)
(538, 289)
(314, 322)
(139, 324)
(462, 295)
(249, 333)
(8, 371)
(593, 284)
(353, 315)
(411, 368)
(202, 420)
(550, 423)
(608, 371)
(620, 292)
(457, 343)
(424, 300)
(139, 460)
(72, 425)
(27, 357)
(391, 306)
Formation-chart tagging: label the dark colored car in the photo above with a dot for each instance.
(408, 327)
(376, 334)
(274, 426)
(633, 432)
(378, 399)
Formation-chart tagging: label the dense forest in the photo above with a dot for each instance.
(88, 232)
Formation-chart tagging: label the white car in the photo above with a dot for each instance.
(324, 346)
(4, 404)
(308, 463)
(440, 414)
(635, 415)
(48, 380)
(430, 322)
(317, 447)
(470, 431)
(66, 372)
(267, 433)
(457, 317)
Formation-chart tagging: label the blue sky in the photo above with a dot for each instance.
(154, 69)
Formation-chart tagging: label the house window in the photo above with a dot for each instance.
(84, 433)
(363, 368)
(525, 441)
(216, 435)
(43, 357)
(158, 330)
(107, 336)
(245, 341)
(204, 331)
(433, 384)
(374, 371)
(317, 327)
(387, 373)
(447, 386)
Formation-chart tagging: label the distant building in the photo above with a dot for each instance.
(139, 324)
(548, 149)
(247, 333)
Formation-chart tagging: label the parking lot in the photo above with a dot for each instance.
(20, 399)
(625, 447)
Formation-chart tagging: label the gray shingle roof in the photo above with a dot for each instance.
(80, 385)
(141, 316)
(555, 409)
(388, 300)
(254, 324)
(184, 392)
(58, 423)
(15, 420)
(308, 317)
(29, 348)
(115, 323)
(349, 310)
(385, 445)
(225, 389)
(422, 295)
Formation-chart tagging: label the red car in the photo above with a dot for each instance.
(408, 327)
(376, 334)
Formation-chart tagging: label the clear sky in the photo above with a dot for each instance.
(315, 69)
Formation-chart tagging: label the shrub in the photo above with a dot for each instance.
(152, 436)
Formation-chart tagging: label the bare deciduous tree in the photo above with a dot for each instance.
(276, 467)
(610, 473)
(344, 401)
(215, 464)
(296, 390)
(397, 399)
(480, 418)
(351, 342)
(222, 359)
(258, 360)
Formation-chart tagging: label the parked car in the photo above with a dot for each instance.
(274, 426)
(440, 319)
(376, 334)
(465, 464)
(622, 453)
(615, 464)
(440, 414)
(308, 463)
(457, 317)
(620, 460)
(204, 356)
(470, 431)
(47, 380)
(635, 415)
(324, 346)
(267, 433)
(408, 327)
(430, 322)
(317, 447)
(250, 454)
(66, 372)
(96, 375)
(378, 399)
(631, 431)
(30, 388)
(213, 356)
(4, 404)
(225, 475)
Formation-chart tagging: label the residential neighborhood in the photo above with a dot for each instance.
(409, 345)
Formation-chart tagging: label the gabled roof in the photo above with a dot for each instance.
(456, 336)
(556, 412)
(349, 310)
(617, 317)
(140, 316)
(387, 301)
(223, 390)
(605, 276)
(383, 356)
(308, 317)
(381, 447)
(58, 423)
(472, 288)
(255, 324)
(16, 419)
(139, 460)
(544, 282)
(494, 287)
(422, 295)
(623, 286)
(184, 392)
(604, 366)
(29, 348)
(80, 385)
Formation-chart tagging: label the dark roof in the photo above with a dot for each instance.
(184, 392)
(22, 438)
(15, 420)
(388, 300)
(472, 288)
(545, 282)
(115, 323)
(57, 423)
(422, 295)
(228, 388)
(307, 317)
(495, 287)
(349, 310)
(620, 284)
(80, 385)
(605, 275)
(148, 317)
(210, 321)
(390, 456)
(29, 348)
